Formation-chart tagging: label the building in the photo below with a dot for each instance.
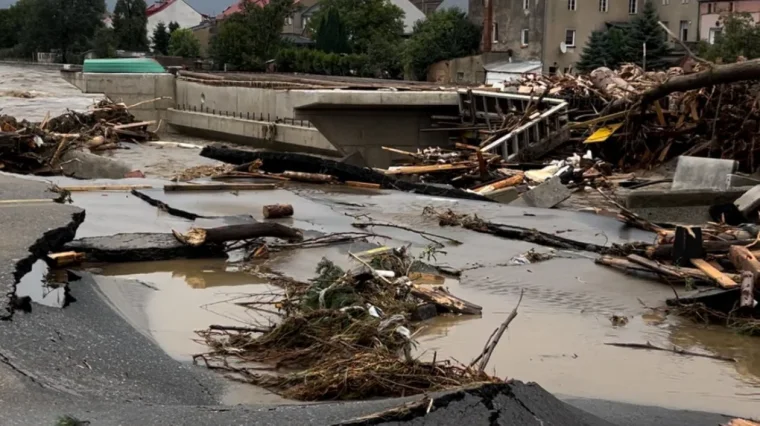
(427, 6)
(711, 11)
(411, 14)
(204, 32)
(167, 11)
(555, 32)
(463, 5)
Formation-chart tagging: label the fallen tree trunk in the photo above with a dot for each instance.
(719, 74)
(308, 177)
(446, 301)
(200, 236)
(665, 251)
(534, 236)
(278, 162)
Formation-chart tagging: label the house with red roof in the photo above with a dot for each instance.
(172, 11)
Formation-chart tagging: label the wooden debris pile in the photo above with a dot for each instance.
(37, 148)
(349, 334)
(717, 255)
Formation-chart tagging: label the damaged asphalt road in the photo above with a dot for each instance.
(87, 361)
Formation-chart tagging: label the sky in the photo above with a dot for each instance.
(206, 7)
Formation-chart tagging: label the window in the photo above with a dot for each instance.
(665, 2)
(714, 32)
(731, 7)
(524, 37)
(604, 5)
(570, 38)
(289, 20)
(684, 30)
(526, 4)
(633, 6)
(570, 4)
(495, 32)
(709, 8)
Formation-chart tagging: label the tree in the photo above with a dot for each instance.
(253, 36)
(173, 26)
(68, 26)
(645, 29)
(129, 25)
(161, 39)
(183, 43)
(11, 25)
(104, 43)
(331, 35)
(443, 35)
(596, 53)
(740, 37)
(367, 22)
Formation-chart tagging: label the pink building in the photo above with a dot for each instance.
(711, 11)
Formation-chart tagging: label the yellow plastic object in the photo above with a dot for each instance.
(603, 133)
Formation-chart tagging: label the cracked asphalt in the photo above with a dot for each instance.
(89, 362)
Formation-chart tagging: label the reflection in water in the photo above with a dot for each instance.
(45, 287)
(181, 297)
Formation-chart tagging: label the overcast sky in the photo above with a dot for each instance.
(207, 7)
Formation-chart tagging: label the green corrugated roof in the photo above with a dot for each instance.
(127, 65)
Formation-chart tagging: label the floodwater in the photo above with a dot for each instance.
(558, 338)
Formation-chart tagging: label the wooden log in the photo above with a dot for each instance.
(718, 74)
(665, 251)
(415, 170)
(747, 295)
(218, 187)
(65, 258)
(504, 183)
(367, 185)
(720, 278)
(448, 302)
(308, 177)
(676, 272)
(425, 278)
(87, 188)
(276, 211)
(200, 236)
(133, 125)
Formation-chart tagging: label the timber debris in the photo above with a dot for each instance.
(348, 334)
(38, 148)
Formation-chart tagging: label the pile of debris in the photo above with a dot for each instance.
(651, 117)
(38, 148)
(349, 334)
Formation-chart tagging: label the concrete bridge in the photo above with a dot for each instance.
(325, 115)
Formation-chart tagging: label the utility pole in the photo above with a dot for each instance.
(487, 25)
(644, 58)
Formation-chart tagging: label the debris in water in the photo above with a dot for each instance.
(618, 320)
(531, 256)
(202, 171)
(349, 332)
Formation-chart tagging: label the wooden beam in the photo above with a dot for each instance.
(720, 278)
(414, 170)
(133, 125)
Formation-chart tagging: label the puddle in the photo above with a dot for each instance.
(170, 300)
(45, 288)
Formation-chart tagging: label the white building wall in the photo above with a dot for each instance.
(179, 12)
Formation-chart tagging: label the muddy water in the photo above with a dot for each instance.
(557, 339)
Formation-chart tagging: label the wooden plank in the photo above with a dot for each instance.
(362, 184)
(65, 258)
(86, 188)
(413, 170)
(399, 151)
(219, 187)
(660, 115)
(747, 295)
(720, 278)
(133, 125)
(425, 278)
(747, 263)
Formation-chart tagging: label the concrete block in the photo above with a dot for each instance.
(749, 203)
(703, 173)
(545, 196)
(504, 195)
(736, 181)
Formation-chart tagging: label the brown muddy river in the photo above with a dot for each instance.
(557, 340)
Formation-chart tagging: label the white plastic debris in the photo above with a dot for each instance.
(386, 274)
(38, 141)
(404, 331)
(374, 310)
(542, 174)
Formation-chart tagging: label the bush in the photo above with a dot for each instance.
(319, 62)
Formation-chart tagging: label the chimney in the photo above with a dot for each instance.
(487, 26)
